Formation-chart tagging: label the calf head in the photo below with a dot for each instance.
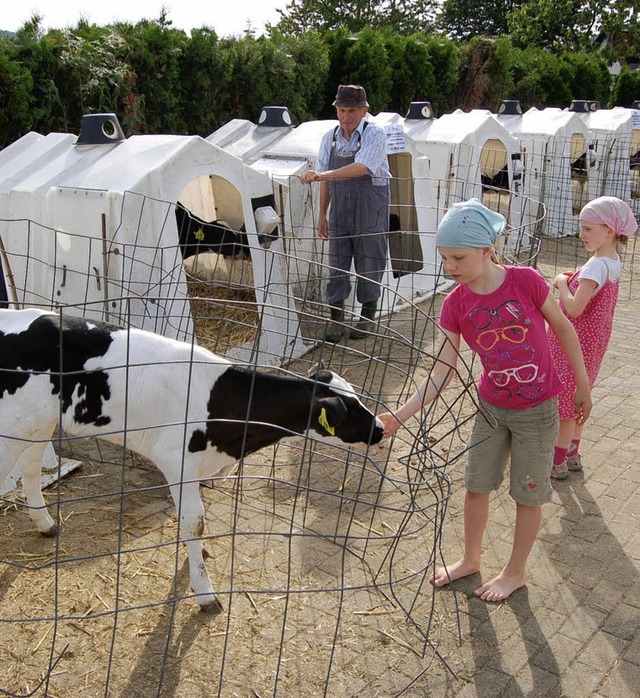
(339, 412)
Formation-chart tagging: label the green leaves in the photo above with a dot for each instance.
(572, 25)
(157, 79)
(400, 16)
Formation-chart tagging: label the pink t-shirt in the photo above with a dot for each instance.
(507, 330)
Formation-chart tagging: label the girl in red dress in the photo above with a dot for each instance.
(588, 298)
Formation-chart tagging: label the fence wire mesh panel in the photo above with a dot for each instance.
(319, 551)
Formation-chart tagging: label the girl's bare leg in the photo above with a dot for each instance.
(476, 512)
(513, 575)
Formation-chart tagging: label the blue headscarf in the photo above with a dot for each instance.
(470, 224)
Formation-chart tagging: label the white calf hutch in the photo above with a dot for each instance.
(558, 161)
(434, 162)
(93, 225)
(459, 156)
(615, 134)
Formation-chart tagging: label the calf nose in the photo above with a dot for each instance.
(377, 432)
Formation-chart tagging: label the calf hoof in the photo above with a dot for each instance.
(50, 532)
(205, 553)
(212, 607)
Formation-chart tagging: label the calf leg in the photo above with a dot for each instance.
(30, 466)
(28, 457)
(186, 497)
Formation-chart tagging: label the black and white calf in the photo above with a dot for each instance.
(196, 235)
(189, 411)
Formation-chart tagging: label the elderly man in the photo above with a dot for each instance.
(353, 172)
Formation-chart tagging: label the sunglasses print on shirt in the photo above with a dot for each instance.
(512, 333)
(517, 354)
(526, 391)
(508, 312)
(522, 374)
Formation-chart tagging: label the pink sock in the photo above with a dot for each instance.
(574, 447)
(559, 455)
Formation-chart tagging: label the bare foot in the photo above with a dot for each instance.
(443, 575)
(501, 587)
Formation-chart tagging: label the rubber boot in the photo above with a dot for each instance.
(365, 323)
(336, 329)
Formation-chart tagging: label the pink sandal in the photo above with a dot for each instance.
(574, 462)
(560, 472)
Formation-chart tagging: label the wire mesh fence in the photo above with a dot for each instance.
(320, 553)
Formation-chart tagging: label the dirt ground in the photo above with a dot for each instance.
(319, 555)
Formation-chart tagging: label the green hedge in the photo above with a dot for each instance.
(160, 80)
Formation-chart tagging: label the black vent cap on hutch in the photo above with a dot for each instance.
(274, 117)
(510, 107)
(584, 106)
(100, 129)
(420, 110)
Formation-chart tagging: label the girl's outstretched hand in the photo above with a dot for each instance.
(391, 423)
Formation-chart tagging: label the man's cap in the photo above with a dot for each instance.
(351, 96)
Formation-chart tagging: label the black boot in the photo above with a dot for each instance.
(336, 329)
(365, 323)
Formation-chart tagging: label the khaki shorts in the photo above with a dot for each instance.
(528, 436)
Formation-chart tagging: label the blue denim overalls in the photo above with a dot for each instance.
(358, 225)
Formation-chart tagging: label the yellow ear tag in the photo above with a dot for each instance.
(324, 422)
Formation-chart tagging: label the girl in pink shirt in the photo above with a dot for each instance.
(501, 313)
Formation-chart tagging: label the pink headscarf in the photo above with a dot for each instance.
(612, 212)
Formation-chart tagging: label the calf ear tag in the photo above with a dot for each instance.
(324, 422)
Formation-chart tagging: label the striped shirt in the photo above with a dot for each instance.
(372, 151)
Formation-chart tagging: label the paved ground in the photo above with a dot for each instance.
(575, 629)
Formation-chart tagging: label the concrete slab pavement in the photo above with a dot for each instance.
(574, 630)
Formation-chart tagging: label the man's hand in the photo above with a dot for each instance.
(323, 227)
(309, 176)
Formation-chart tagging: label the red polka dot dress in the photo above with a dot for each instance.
(593, 326)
